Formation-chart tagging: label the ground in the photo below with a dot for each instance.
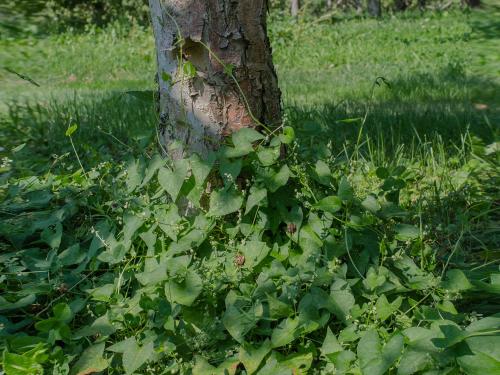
(404, 108)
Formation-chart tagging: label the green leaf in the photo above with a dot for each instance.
(228, 69)
(330, 344)
(382, 173)
(342, 361)
(167, 78)
(224, 202)
(416, 278)
(202, 367)
(256, 196)
(342, 303)
(375, 359)
(243, 141)
(201, 167)
(272, 366)
(386, 309)
(19, 304)
(287, 331)
(456, 281)
(177, 266)
(186, 291)
(154, 273)
(254, 252)
(311, 317)
(115, 253)
(245, 137)
(479, 364)
(71, 129)
(268, 155)
(349, 334)
(323, 172)
(277, 308)
(485, 324)
(132, 223)
(169, 221)
(134, 356)
(135, 174)
(90, 361)
(15, 364)
(52, 235)
(298, 363)
(189, 69)
(230, 170)
(486, 343)
(350, 120)
(72, 255)
(482, 355)
(414, 361)
(194, 237)
(252, 357)
(101, 326)
(452, 336)
(345, 192)
(18, 148)
(62, 312)
(239, 322)
(288, 135)
(103, 292)
(331, 204)
(405, 232)
(172, 180)
(371, 204)
(275, 180)
(447, 306)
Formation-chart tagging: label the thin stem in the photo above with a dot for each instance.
(77, 157)
(349, 254)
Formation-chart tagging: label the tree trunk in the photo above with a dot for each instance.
(374, 8)
(294, 8)
(203, 46)
(400, 5)
(329, 4)
(473, 3)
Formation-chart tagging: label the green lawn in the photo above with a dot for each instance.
(390, 186)
(439, 67)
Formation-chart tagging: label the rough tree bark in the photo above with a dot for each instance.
(294, 8)
(473, 3)
(400, 5)
(374, 9)
(197, 113)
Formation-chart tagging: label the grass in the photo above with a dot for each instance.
(438, 67)
(424, 136)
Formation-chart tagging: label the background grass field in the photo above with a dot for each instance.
(441, 69)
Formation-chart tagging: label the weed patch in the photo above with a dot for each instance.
(370, 246)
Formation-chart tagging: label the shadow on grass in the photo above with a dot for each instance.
(421, 107)
(110, 126)
(485, 22)
(411, 110)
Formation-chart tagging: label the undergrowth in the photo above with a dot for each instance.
(299, 263)
(344, 244)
